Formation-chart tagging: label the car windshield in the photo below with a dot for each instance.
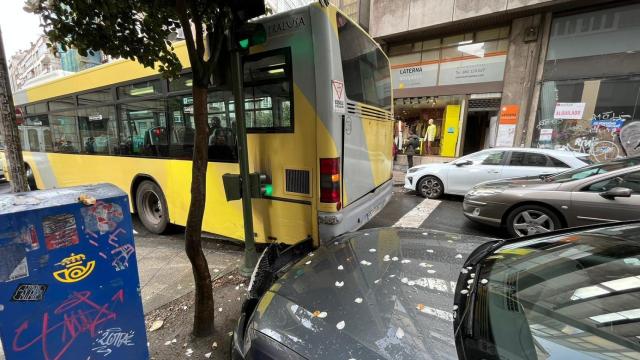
(588, 171)
(563, 297)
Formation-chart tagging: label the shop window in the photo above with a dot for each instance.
(143, 129)
(457, 39)
(142, 89)
(601, 117)
(607, 31)
(95, 98)
(431, 44)
(64, 126)
(97, 130)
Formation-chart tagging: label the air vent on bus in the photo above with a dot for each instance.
(297, 181)
(368, 111)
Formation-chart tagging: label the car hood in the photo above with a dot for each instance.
(381, 293)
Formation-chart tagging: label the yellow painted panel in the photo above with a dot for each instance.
(450, 131)
(99, 76)
(379, 137)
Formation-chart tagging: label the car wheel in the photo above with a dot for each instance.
(532, 219)
(151, 207)
(430, 187)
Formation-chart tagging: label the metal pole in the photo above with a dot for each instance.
(13, 150)
(237, 76)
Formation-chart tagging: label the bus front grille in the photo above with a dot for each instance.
(297, 181)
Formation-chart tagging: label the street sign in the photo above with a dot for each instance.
(69, 285)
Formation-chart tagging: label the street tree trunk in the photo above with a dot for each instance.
(204, 306)
(13, 150)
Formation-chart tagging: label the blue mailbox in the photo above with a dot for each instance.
(69, 286)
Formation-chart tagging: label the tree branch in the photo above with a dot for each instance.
(181, 10)
(197, 20)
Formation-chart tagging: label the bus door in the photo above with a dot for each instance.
(367, 129)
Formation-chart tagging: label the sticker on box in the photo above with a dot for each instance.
(60, 231)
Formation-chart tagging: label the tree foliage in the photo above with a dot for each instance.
(139, 30)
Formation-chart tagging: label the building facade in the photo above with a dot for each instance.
(31, 63)
(38, 63)
(542, 73)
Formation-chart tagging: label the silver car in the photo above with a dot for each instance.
(457, 177)
(599, 193)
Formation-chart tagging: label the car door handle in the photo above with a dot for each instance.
(493, 171)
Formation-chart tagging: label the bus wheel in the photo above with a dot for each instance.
(31, 179)
(151, 207)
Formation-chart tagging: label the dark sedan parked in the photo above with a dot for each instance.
(410, 294)
(594, 194)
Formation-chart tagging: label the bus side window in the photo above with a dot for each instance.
(222, 139)
(268, 91)
(143, 129)
(98, 130)
(182, 127)
(64, 126)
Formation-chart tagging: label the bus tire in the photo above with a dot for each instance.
(151, 206)
(31, 179)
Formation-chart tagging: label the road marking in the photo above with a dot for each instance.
(418, 214)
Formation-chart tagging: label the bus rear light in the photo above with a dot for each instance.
(330, 180)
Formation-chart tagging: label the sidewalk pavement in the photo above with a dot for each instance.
(165, 271)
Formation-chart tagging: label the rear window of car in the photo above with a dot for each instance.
(519, 158)
(558, 163)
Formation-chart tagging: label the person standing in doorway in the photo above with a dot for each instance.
(430, 135)
(413, 142)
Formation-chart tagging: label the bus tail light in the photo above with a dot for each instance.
(330, 181)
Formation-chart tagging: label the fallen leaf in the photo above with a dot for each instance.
(340, 267)
(207, 355)
(339, 283)
(459, 256)
(220, 309)
(420, 307)
(399, 333)
(431, 271)
(430, 251)
(395, 258)
(405, 261)
(386, 258)
(168, 342)
(340, 325)
(372, 250)
(214, 345)
(358, 300)
(156, 325)
(365, 262)
(308, 262)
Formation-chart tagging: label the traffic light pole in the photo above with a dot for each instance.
(250, 255)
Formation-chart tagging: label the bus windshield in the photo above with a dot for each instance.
(366, 70)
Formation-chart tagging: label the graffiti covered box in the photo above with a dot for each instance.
(69, 285)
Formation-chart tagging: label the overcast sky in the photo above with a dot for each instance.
(19, 28)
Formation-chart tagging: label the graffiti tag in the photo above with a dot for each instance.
(77, 315)
(112, 338)
(29, 292)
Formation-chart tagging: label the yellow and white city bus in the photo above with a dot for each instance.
(319, 122)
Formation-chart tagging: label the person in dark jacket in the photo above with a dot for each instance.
(412, 143)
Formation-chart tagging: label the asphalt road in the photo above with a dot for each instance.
(406, 209)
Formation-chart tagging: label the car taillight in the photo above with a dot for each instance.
(330, 181)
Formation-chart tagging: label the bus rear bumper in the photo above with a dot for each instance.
(356, 214)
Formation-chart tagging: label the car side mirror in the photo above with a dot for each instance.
(463, 163)
(616, 192)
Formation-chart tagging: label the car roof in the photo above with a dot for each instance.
(555, 152)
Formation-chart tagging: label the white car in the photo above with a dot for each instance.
(459, 176)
